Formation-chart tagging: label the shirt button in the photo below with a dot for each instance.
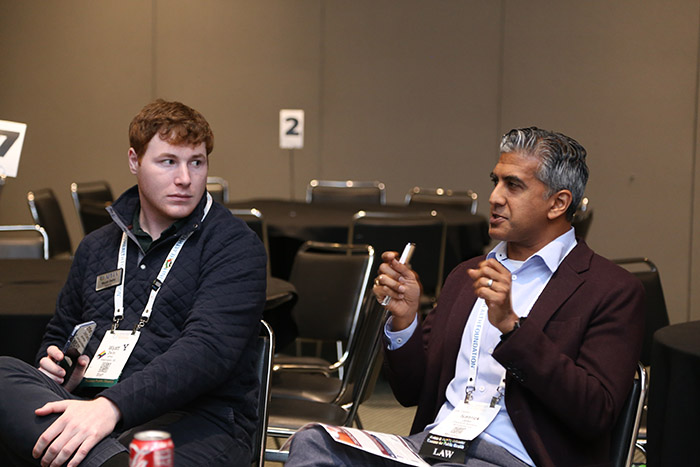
(399, 340)
(143, 266)
(482, 389)
(514, 277)
(490, 351)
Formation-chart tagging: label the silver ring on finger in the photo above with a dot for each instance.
(489, 283)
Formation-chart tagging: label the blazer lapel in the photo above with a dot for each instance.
(566, 279)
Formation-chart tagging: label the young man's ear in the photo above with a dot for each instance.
(133, 161)
(561, 200)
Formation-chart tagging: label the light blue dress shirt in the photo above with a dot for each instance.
(529, 278)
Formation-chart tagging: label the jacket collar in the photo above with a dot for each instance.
(567, 278)
(123, 209)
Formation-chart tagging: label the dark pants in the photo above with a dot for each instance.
(314, 447)
(23, 389)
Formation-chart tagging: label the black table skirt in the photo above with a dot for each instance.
(673, 415)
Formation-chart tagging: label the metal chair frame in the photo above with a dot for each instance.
(625, 431)
(219, 182)
(357, 311)
(97, 191)
(371, 340)
(30, 228)
(443, 197)
(345, 187)
(420, 217)
(58, 230)
(266, 351)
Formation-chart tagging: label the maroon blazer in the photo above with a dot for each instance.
(570, 366)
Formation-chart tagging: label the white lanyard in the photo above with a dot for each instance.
(477, 333)
(155, 287)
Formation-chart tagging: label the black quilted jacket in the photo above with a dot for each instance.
(196, 352)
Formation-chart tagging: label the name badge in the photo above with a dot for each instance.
(450, 440)
(467, 420)
(110, 359)
(108, 279)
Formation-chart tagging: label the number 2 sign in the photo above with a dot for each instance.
(291, 129)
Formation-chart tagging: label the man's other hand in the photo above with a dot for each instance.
(81, 425)
(492, 282)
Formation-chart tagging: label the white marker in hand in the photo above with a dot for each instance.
(405, 258)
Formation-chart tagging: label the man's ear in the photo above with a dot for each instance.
(561, 200)
(133, 161)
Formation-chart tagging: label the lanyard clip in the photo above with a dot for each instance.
(115, 324)
(497, 398)
(142, 322)
(468, 396)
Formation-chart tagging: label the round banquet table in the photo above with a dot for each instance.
(291, 223)
(674, 396)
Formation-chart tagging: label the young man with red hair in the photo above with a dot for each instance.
(180, 283)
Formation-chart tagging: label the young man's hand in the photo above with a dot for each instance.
(81, 425)
(49, 366)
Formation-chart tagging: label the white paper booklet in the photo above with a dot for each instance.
(392, 447)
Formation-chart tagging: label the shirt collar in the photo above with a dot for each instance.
(145, 239)
(551, 254)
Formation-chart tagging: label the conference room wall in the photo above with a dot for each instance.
(409, 92)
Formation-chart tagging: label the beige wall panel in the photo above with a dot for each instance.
(410, 92)
(239, 63)
(694, 285)
(621, 78)
(75, 72)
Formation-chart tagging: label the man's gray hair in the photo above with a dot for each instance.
(562, 160)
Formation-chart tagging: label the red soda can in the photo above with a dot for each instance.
(151, 449)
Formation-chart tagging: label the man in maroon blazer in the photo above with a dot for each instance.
(554, 326)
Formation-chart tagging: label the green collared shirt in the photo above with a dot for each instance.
(145, 240)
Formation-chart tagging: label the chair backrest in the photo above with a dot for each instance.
(362, 368)
(266, 351)
(656, 316)
(624, 434)
(256, 221)
(436, 198)
(347, 191)
(90, 200)
(390, 231)
(583, 218)
(218, 189)
(21, 247)
(331, 280)
(47, 213)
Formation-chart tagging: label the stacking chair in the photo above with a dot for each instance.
(218, 189)
(286, 416)
(655, 318)
(24, 247)
(47, 213)
(387, 231)
(331, 281)
(436, 198)
(348, 191)
(266, 349)
(583, 218)
(624, 434)
(255, 220)
(90, 200)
